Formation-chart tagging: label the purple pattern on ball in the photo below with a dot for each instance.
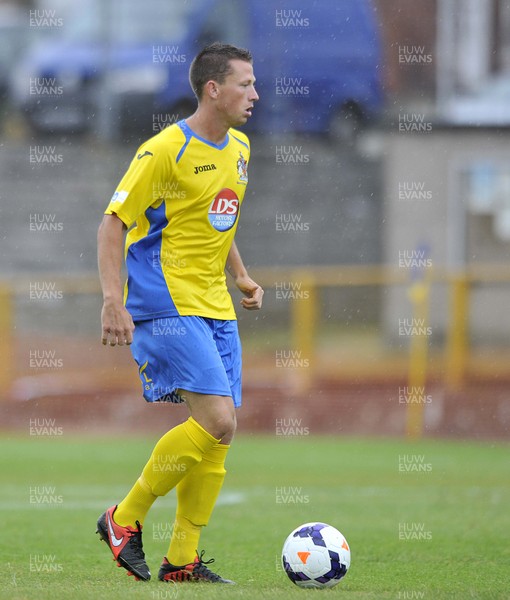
(313, 532)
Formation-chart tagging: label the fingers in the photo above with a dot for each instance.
(117, 326)
(250, 306)
(253, 302)
(116, 336)
(113, 339)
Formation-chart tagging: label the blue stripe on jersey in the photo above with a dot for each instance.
(241, 142)
(189, 133)
(148, 294)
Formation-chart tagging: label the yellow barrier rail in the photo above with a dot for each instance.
(6, 336)
(304, 312)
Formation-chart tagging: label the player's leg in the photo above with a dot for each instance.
(173, 457)
(198, 491)
(162, 361)
(175, 454)
(216, 414)
(167, 356)
(178, 451)
(185, 356)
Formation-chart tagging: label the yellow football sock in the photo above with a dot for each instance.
(176, 453)
(173, 457)
(184, 542)
(196, 496)
(135, 505)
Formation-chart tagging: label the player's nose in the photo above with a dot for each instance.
(254, 96)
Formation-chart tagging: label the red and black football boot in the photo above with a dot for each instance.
(125, 544)
(195, 571)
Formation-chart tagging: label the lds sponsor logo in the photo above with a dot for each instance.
(224, 209)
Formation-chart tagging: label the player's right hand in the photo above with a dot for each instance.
(117, 325)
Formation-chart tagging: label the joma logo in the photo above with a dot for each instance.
(202, 168)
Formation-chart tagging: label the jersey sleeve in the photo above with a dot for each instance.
(138, 189)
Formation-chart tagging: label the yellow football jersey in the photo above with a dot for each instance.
(180, 199)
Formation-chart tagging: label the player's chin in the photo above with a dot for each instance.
(242, 119)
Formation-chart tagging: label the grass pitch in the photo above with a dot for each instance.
(424, 520)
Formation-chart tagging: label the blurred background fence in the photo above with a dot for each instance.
(298, 347)
(377, 216)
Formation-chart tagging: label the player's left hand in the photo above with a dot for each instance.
(252, 291)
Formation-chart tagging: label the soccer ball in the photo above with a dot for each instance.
(316, 555)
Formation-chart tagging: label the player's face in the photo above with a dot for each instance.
(237, 93)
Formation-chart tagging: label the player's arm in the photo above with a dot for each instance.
(116, 322)
(252, 291)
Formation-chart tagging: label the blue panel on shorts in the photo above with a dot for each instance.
(196, 354)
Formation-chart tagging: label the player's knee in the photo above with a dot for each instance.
(223, 424)
(226, 426)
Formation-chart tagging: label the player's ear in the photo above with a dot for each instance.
(211, 89)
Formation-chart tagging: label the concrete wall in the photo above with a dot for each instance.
(427, 202)
(309, 201)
